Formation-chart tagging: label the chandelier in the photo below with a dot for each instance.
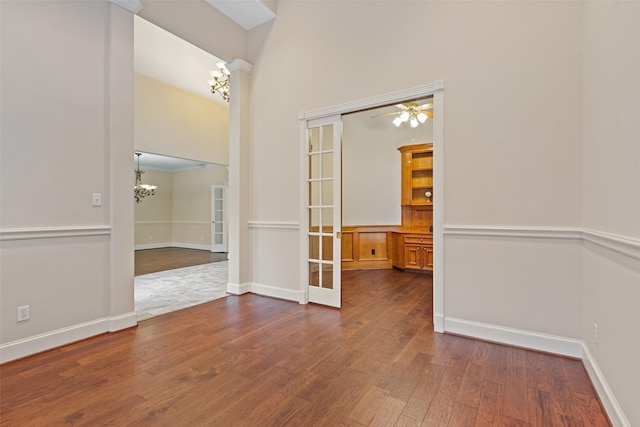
(140, 190)
(221, 81)
(412, 113)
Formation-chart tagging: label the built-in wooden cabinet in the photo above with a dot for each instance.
(407, 247)
(418, 252)
(417, 174)
(413, 243)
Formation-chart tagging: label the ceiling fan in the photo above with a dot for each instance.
(410, 112)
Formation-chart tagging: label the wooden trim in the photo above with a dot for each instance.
(354, 261)
(9, 234)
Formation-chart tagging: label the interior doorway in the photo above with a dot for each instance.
(435, 91)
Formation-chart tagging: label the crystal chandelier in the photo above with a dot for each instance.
(221, 81)
(140, 190)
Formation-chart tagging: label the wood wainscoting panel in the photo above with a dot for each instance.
(367, 247)
(372, 246)
(347, 246)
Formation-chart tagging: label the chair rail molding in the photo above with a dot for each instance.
(513, 231)
(625, 245)
(26, 233)
(278, 225)
(622, 244)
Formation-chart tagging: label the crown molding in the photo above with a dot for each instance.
(239, 65)
(133, 6)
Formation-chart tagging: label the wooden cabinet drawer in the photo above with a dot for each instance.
(418, 239)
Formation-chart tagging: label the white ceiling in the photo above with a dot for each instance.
(246, 13)
(165, 57)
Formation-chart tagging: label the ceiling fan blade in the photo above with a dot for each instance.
(393, 113)
(426, 106)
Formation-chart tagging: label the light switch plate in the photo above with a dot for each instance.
(97, 199)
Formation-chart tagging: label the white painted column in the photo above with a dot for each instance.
(119, 140)
(239, 178)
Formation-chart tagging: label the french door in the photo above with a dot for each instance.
(219, 234)
(323, 210)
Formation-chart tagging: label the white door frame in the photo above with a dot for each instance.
(437, 90)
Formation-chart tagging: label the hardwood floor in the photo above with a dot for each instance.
(256, 361)
(153, 260)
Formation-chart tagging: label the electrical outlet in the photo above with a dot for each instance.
(595, 333)
(23, 313)
(373, 251)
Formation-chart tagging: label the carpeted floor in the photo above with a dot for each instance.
(171, 290)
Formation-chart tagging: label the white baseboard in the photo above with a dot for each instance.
(173, 245)
(438, 323)
(123, 321)
(191, 246)
(516, 337)
(39, 343)
(152, 246)
(274, 292)
(238, 289)
(267, 291)
(609, 401)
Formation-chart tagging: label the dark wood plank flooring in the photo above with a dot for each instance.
(154, 260)
(256, 361)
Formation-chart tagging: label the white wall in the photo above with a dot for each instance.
(512, 126)
(611, 195)
(179, 214)
(68, 128)
(371, 166)
(177, 123)
(67, 132)
(191, 204)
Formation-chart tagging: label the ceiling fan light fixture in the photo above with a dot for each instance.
(404, 116)
(397, 121)
(414, 122)
(422, 117)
